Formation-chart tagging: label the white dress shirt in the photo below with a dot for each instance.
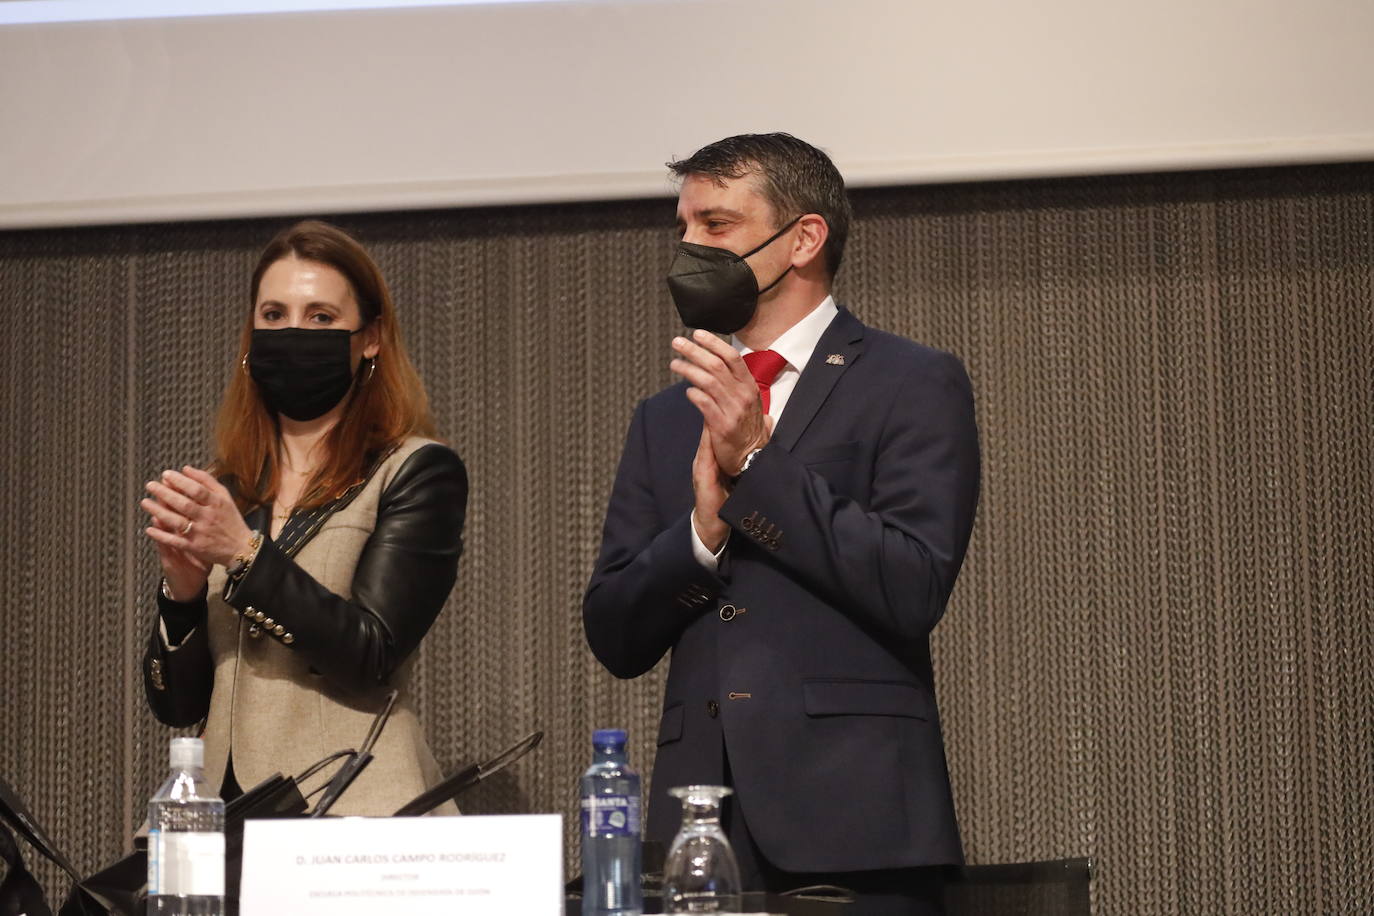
(795, 345)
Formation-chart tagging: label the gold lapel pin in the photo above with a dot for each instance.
(834, 359)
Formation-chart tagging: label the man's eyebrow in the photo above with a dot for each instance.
(708, 212)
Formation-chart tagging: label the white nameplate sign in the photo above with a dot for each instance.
(474, 865)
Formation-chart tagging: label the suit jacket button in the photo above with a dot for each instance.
(712, 708)
(727, 612)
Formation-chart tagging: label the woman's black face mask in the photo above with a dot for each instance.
(302, 373)
(714, 288)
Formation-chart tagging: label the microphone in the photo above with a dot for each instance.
(465, 779)
(356, 761)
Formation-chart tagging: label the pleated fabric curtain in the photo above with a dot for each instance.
(1159, 653)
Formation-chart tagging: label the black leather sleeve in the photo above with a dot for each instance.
(178, 681)
(404, 576)
(181, 617)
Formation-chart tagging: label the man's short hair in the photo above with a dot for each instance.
(794, 177)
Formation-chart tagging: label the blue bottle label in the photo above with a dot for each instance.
(610, 815)
(154, 862)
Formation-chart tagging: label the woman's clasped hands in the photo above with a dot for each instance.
(195, 525)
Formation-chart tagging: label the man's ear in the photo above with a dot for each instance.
(813, 230)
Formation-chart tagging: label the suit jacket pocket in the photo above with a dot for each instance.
(842, 452)
(849, 697)
(670, 726)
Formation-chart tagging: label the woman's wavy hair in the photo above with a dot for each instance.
(386, 403)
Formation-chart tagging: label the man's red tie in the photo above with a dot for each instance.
(764, 366)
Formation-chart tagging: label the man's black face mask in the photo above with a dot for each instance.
(714, 288)
(301, 372)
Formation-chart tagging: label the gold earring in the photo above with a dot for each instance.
(372, 369)
(244, 364)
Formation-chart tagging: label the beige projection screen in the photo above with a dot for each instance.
(133, 120)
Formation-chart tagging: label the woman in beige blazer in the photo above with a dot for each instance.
(301, 575)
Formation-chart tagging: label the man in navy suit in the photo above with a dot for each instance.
(789, 520)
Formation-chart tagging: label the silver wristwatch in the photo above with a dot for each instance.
(748, 460)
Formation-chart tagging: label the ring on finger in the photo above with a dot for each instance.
(187, 530)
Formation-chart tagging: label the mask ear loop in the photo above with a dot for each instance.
(772, 238)
(777, 281)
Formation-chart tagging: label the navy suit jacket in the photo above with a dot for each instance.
(806, 656)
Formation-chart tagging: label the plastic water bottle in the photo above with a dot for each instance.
(610, 830)
(186, 839)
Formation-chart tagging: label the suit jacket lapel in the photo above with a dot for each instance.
(843, 339)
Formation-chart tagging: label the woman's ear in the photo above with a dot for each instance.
(372, 337)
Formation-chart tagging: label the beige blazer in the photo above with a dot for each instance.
(276, 715)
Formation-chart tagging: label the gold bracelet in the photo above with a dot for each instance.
(244, 560)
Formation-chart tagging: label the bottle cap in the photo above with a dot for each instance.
(187, 754)
(604, 736)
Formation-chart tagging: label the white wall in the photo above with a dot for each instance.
(159, 119)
